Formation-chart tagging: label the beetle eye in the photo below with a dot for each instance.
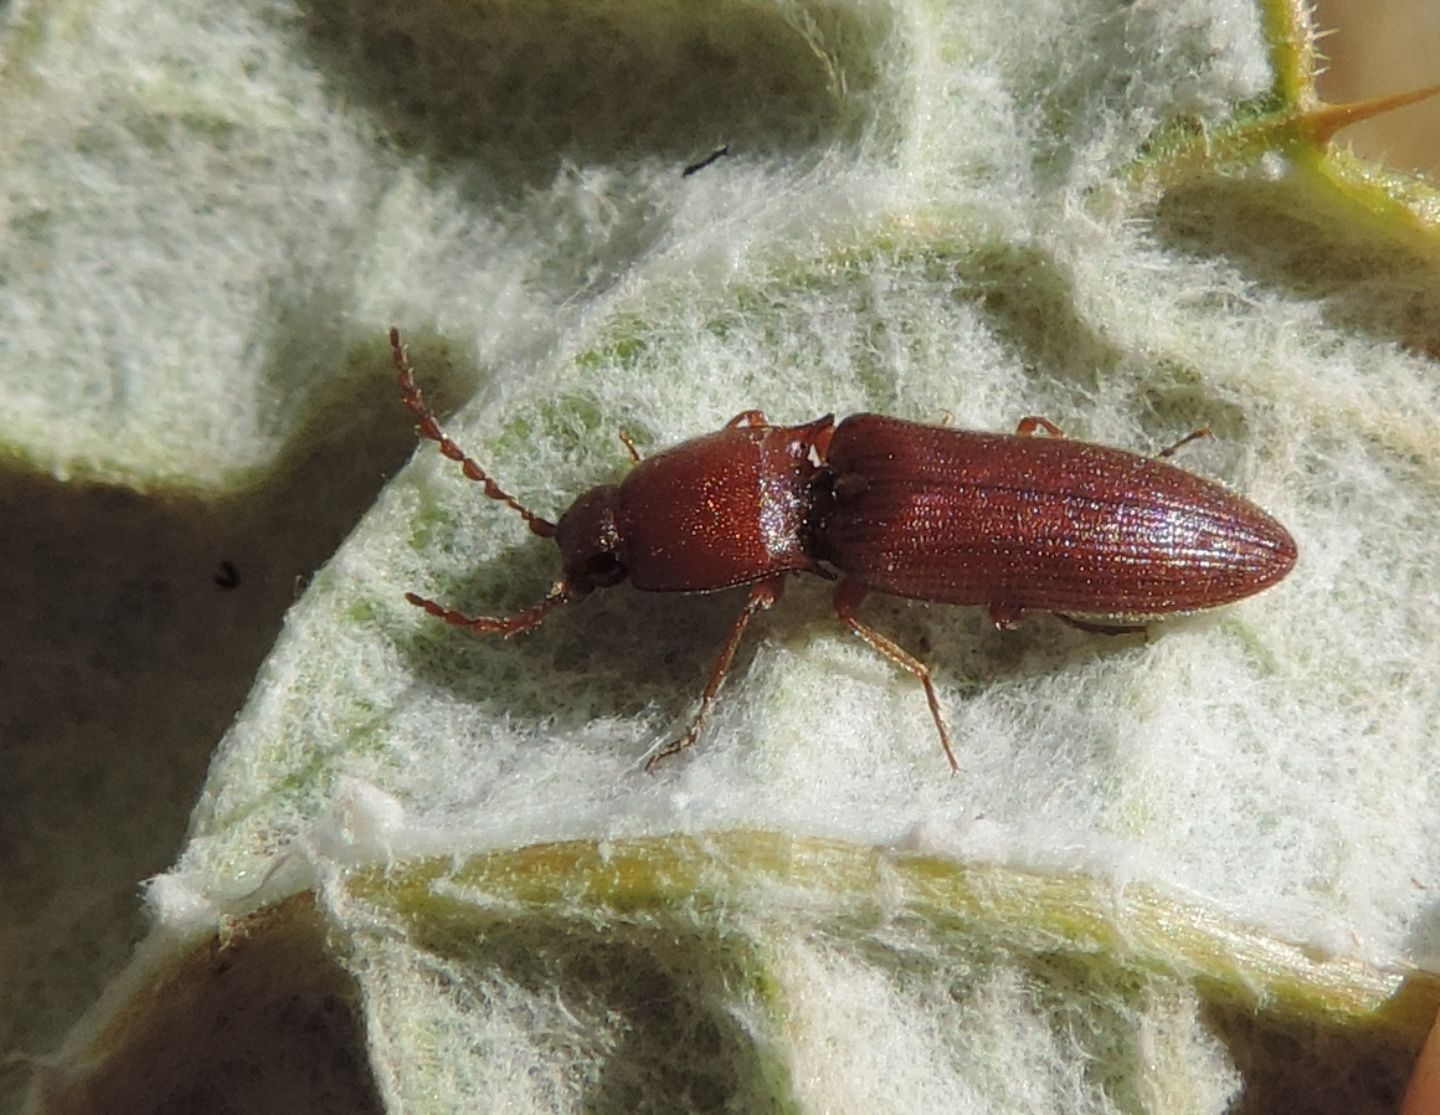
(604, 569)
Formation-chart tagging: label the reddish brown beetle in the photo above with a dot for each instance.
(1013, 523)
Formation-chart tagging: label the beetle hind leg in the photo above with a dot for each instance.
(1194, 435)
(847, 598)
(1031, 423)
(1100, 628)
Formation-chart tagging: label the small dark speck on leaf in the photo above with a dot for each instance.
(714, 156)
(229, 575)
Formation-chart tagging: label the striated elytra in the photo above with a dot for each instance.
(1013, 523)
(1019, 523)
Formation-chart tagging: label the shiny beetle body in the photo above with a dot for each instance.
(1021, 523)
(1013, 523)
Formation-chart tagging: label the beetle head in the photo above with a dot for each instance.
(590, 544)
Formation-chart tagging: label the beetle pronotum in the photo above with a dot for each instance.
(1013, 523)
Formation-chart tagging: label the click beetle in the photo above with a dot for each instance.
(1013, 523)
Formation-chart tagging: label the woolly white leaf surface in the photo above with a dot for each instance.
(926, 211)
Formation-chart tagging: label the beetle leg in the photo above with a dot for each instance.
(1203, 431)
(847, 598)
(1101, 628)
(762, 595)
(629, 443)
(1029, 425)
(748, 418)
(1005, 616)
(530, 618)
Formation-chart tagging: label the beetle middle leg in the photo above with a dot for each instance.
(762, 595)
(847, 598)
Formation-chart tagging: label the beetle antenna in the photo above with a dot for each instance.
(427, 426)
(506, 626)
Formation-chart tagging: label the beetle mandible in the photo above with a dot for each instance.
(1013, 523)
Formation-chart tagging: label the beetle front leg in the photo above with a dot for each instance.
(762, 595)
(847, 598)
